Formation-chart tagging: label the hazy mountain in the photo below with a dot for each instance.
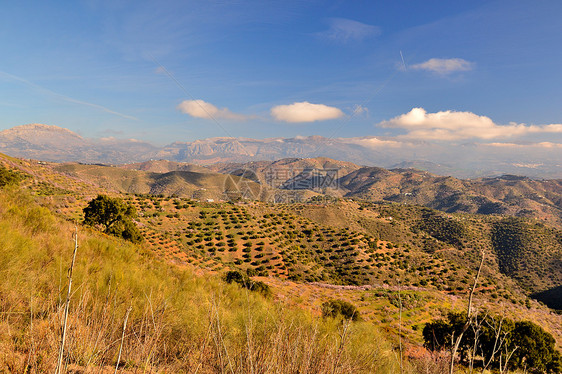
(243, 149)
(52, 143)
(507, 194)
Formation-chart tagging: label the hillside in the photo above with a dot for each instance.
(165, 166)
(507, 194)
(173, 316)
(539, 272)
(201, 184)
(365, 252)
(510, 195)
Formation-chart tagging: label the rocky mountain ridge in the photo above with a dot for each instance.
(53, 143)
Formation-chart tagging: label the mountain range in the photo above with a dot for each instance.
(57, 144)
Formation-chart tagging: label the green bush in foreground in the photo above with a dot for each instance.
(9, 177)
(340, 308)
(235, 276)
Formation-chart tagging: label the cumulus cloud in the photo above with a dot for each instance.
(344, 30)
(444, 66)
(305, 112)
(451, 125)
(202, 109)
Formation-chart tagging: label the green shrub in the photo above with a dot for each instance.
(9, 177)
(340, 308)
(236, 276)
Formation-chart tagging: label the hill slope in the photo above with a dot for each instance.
(171, 315)
(361, 251)
(507, 194)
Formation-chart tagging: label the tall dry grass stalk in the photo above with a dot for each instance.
(122, 340)
(59, 369)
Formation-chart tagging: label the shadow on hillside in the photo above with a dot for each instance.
(552, 298)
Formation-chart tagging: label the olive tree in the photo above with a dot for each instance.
(113, 216)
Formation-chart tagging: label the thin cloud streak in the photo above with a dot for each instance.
(344, 30)
(64, 97)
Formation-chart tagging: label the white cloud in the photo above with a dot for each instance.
(528, 145)
(305, 112)
(502, 145)
(112, 139)
(549, 145)
(202, 109)
(344, 30)
(444, 66)
(451, 125)
(527, 165)
(374, 142)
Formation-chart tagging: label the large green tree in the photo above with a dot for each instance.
(535, 349)
(528, 346)
(113, 216)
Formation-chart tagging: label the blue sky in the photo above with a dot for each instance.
(477, 71)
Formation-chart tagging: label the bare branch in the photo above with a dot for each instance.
(457, 343)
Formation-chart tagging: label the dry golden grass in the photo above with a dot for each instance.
(178, 323)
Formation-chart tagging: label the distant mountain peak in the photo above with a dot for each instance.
(32, 129)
